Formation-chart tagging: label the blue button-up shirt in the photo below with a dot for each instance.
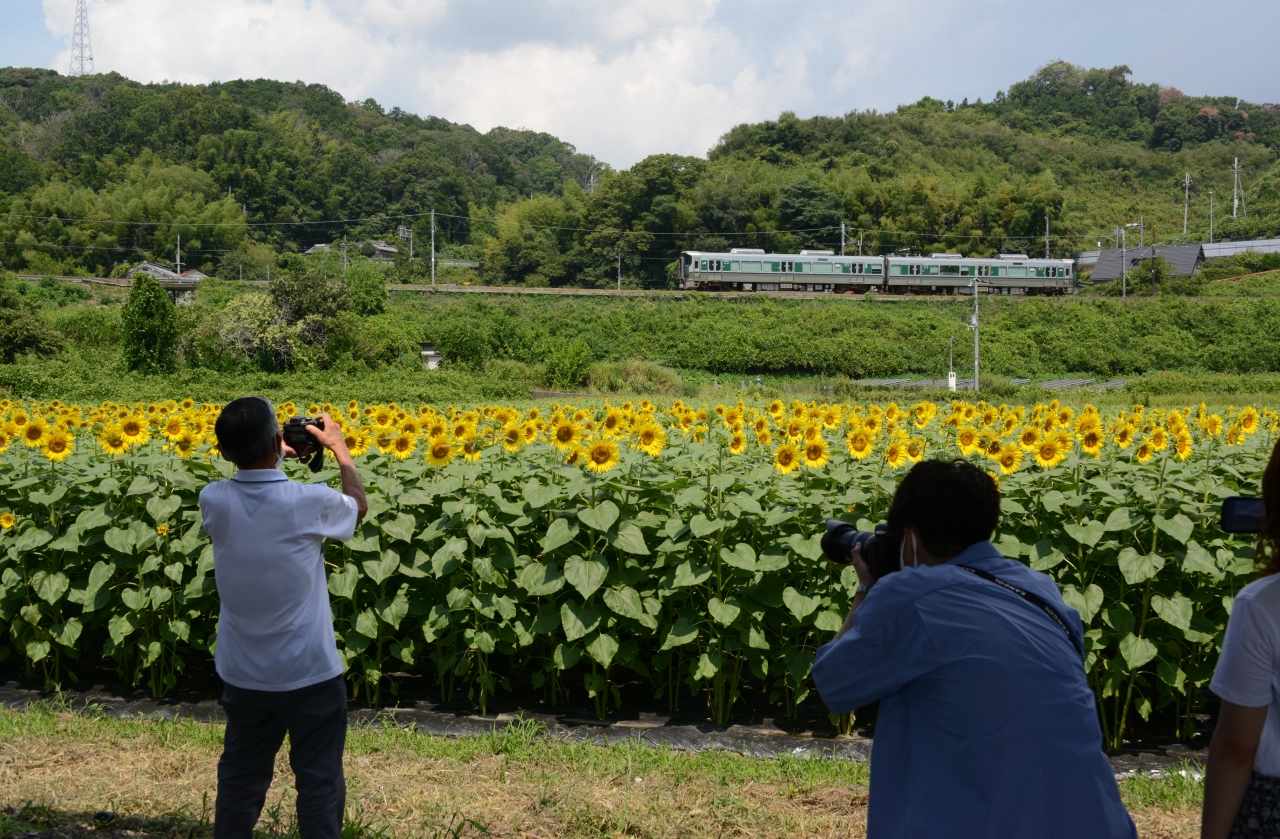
(987, 725)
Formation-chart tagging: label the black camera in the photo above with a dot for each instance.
(1241, 514)
(881, 548)
(300, 440)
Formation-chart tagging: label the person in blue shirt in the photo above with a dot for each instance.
(987, 726)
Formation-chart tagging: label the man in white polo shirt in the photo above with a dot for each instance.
(276, 653)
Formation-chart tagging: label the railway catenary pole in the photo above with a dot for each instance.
(1186, 200)
(1153, 260)
(842, 246)
(1211, 216)
(1046, 234)
(433, 248)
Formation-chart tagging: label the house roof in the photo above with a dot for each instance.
(320, 248)
(154, 270)
(1183, 260)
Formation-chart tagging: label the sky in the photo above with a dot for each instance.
(626, 79)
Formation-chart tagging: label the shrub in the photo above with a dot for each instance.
(633, 376)
(149, 326)
(366, 289)
(22, 330)
(568, 360)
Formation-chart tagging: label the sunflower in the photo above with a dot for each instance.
(511, 437)
(112, 440)
(439, 452)
(1010, 459)
(6, 520)
(1144, 451)
(651, 439)
(1029, 439)
(185, 444)
(403, 445)
(967, 440)
(786, 459)
(895, 454)
(1248, 420)
(613, 421)
(5, 440)
(58, 445)
(35, 433)
(1213, 425)
(1159, 439)
(737, 443)
(1124, 436)
(764, 438)
(992, 446)
(915, 449)
(565, 434)
(1048, 454)
(816, 454)
(576, 455)
(859, 443)
(173, 427)
(134, 430)
(601, 455)
(471, 448)
(1091, 442)
(1182, 446)
(776, 408)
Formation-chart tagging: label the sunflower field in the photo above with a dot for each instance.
(573, 550)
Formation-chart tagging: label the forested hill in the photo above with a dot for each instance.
(1090, 149)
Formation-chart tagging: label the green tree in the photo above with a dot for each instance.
(149, 327)
(22, 330)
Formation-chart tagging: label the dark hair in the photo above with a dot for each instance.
(952, 504)
(246, 429)
(1268, 546)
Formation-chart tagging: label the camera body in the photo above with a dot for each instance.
(1241, 514)
(881, 548)
(300, 440)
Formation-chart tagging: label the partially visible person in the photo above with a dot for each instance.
(1242, 778)
(276, 652)
(987, 725)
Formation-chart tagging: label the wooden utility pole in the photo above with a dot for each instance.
(1153, 261)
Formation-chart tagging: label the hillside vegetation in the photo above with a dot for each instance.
(270, 161)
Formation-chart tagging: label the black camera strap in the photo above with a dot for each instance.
(1034, 599)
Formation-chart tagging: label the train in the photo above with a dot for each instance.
(751, 269)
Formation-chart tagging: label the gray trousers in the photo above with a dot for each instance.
(315, 718)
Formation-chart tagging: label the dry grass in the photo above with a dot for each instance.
(513, 783)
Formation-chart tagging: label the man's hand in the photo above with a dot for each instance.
(865, 578)
(331, 437)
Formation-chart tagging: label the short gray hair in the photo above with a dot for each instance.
(246, 429)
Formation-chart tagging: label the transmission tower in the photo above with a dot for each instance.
(81, 45)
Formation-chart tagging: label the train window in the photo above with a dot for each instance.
(733, 266)
(822, 268)
(704, 265)
(951, 270)
(751, 266)
(876, 268)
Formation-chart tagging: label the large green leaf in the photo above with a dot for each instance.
(541, 578)
(577, 619)
(565, 656)
(402, 527)
(724, 613)
(1199, 561)
(586, 575)
(625, 601)
(601, 517)
(394, 610)
(1086, 602)
(809, 547)
(630, 540)
(1138, 568)
(701, 527)
(1175, 610)
(539, 494)
(742, 556)
(32, 539)
(1136, 651)
(382, 568)
(681, 632)
(342, 583)
(559, 533)
(603, 648)
(50, 587)
(162, 509)
(1122, 518)
(800, 605)
(688, 574)
(1179, 527)
(1088, 533)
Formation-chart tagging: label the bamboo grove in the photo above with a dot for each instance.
(565, 552)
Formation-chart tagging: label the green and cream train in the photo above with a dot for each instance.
(751, 269)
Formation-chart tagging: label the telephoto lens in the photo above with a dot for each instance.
(300, 440)
(880, 547)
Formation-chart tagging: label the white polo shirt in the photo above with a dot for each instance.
(275, 630)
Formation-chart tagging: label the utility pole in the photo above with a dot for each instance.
(410, 245)
(1186, 201)
(951, 364)
(1124, 262)
(433, 249)
(178, 260)
(859, 243)
(81, 44)
(974, 326)
(344, 257)
(842, 239)
(1046, 234)
(1235, 187)
(1142, 232)
(619, 266)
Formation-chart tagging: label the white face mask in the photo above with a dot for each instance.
(902, 552)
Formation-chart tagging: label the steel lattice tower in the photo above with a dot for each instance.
(81, 45)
